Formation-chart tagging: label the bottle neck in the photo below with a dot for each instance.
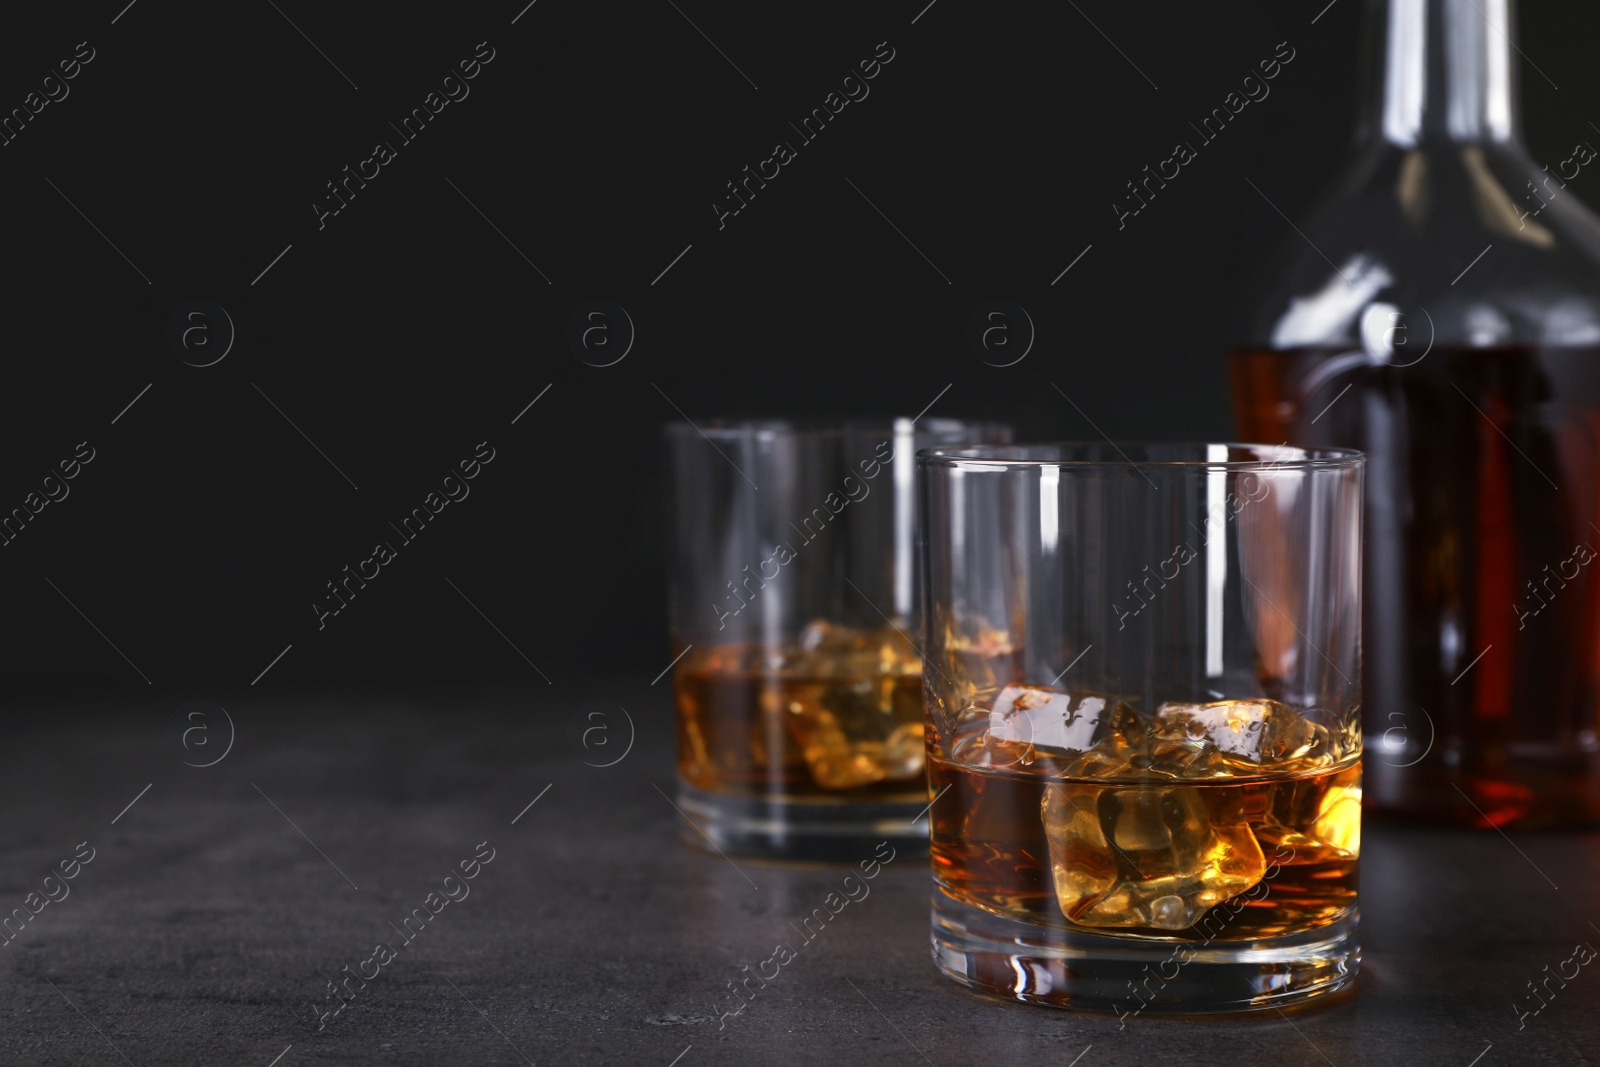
(1442, 72)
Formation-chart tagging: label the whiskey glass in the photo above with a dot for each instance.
(1143, 677)
(795, 599)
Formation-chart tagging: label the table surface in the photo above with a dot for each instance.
(216, 909)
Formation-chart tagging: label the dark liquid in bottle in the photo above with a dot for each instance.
(1481, 609)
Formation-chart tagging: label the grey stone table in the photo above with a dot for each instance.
(218, 906)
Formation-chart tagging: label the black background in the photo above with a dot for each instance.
(407, 329)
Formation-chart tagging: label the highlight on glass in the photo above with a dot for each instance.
(1143, 677)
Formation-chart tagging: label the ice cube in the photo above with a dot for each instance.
(828, 649)
(967, 666)
(852, 702)
(903, 751)
(857, 731)
(1070, 722)
(1152, 857)
(1185, 757)
(1339, 821)
(984, 661)
(829, 638)
(1248, 734)
(1081, 860)
(1327, 811)
(1080, 734)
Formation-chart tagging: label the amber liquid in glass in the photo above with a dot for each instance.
(1174, 839)
(838, 717)
(1481, 651)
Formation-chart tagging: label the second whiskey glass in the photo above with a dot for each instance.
(795, 603)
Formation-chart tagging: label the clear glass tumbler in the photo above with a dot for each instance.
(794, 597)
(1143, 677)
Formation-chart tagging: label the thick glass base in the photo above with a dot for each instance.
(836, 832)
(1130, 976)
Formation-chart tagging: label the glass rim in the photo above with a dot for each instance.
(1267, 457)
(771, 429)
